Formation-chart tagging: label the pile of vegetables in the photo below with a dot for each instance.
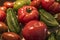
(30, 20)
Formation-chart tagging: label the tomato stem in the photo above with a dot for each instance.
(28, 10)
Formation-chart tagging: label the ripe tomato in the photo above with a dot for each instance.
(2, 15)
(3, 8)
(35, 30)
(10, 36)
(35, 3)
(52, 6)
(8, 4)
(3, 27)
(27, 13)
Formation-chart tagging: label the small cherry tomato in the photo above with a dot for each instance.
(9, 4)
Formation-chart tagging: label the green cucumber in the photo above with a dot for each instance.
(48, 18)
(58, 35)
(12, 21)
(52, 37)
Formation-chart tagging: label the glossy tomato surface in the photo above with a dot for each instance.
(27, 13)
(10, 36)
(3, 27)
(2, 15)
(8, 4)
(3, 8)
(35, 3)
(52, 6)
(35, 30)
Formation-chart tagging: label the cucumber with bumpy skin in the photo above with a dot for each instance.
(12, 21)
(48, 18)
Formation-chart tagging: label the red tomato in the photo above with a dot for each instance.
(27, 13)
(2, 15)
(35, 30)
(8, 4)
(3, 8)
(52, 6)
(3, 27)
(10, 36)
(35, 3)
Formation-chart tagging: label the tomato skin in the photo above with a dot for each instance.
(2, 15)
(47, 3)
(3, 27)
(10, 36)
(3, 8)
(35, 3)
(54, 8)
(8, 4)
(35, 30)
(24, 16)
(51, 5)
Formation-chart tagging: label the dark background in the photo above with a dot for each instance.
(2, 1)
